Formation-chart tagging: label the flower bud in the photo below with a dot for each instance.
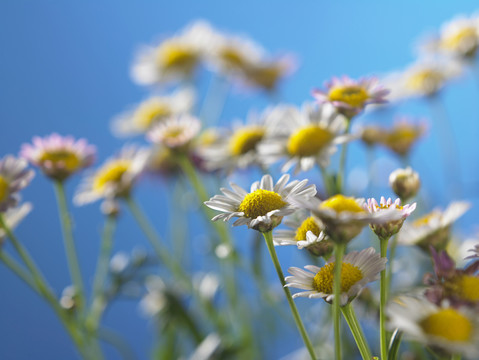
(405, 183)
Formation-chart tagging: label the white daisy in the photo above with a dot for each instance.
(265, 205)
(455, 330)
(357, 270)
(305, 137)
(433, 229)
(146, 114)
(13, 217)
(14, 176)
(175, 132)
(115, 178)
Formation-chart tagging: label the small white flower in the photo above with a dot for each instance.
(175, 132)
(358, 269)
(265, 205)
(14, 176)
(155, 300)
(13, 217)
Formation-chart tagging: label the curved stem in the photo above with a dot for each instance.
(339, 249)
(268, 236)
(383, 243)
(69, 242)
(349, 315)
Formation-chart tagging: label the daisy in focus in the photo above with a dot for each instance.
(350, 96)
(433, 229)
(358, 269)
(305, 137)
(59, 156)
(176, 132)
(153, 110)
(14, 176)
(265, 205)
(115, 178)
(454, 330)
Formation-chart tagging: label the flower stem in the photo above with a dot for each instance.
(456, 357)
(268, 236)
(350, 316)
(392, 254)
(339, 249)
(342, 162)
(69, 242)
(18, 270)
(383, 243)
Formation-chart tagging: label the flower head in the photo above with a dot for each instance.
(13, 217)
(151, 111)
(433, 229)
(454, 330)
(475, 252)
(357, 270)
(265, 205)
(59, 157)
(175, 132)
(403, 136)
(115, 178)
(350, 96)
(14, 176)
(387, 229)
(405, 183)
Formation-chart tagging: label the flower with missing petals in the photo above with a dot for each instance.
(357, 270)
(454, 330)
(115, 178)
(265, 205)
(14, 176)
(175, 132)
(59, 157)
(350, 96)
(13, 217)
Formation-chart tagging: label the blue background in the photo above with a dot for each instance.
(65, 68)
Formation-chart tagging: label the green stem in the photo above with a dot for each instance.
(339, 250)
(382, 305)
(456, 357)
(118, 342)
(18, 270)
(69, 242)
(350, 316)
(342, 162)
(268, 236)
(392, 254)
(101, 274)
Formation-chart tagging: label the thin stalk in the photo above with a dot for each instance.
(18, 270)
(268, 237)
(328, 185)
(101, 274)
(339, 250)
(382, 305)
(118, 342)
(348, 313)
(73, 264)
(456, 357)
(342, 162)
(215, 100)
(392, 255)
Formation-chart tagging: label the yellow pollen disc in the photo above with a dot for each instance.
(340, 203)
(173, 132)
(309, 140)
(245, 140)
(454, 41)
(110, 173)
(150, 112)
(266, 76)
(68, 159)
(233, 58)
(260, 202)
(3, 188)
(427, 79)
(354, 96)
(208, 137)
(307, 225)
(448, 324)
(178, 57)
(323, 280)
(424, 220)
(469, 288)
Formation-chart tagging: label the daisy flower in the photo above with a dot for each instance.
(350, 96)
(14, 176)
(358, 269)
(387, 229)
(372, 134)
(265, 205)
(403, 136)
(405, 182)
(115, 178)
(304, 232)
(59, 156)
(268, 73)
(13, 217)
(175, 132)
(455, 330)
(305, 137)
(153, 110)
(433, 229)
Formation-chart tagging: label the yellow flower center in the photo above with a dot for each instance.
(448, 324)
(266, 76)
(424, 220)
(309, 140)
(469, 288)
(176, 56)
(233, 58)
(173, 132)
(110, 173)
(340, 203)
(307, 225)
(260, 202)
(208, 137)
(68, 159)
(428, 80)
(245, 140)
(3, 188)
(455, 41)
(150, 112)
(323, 280)
(354, 96)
